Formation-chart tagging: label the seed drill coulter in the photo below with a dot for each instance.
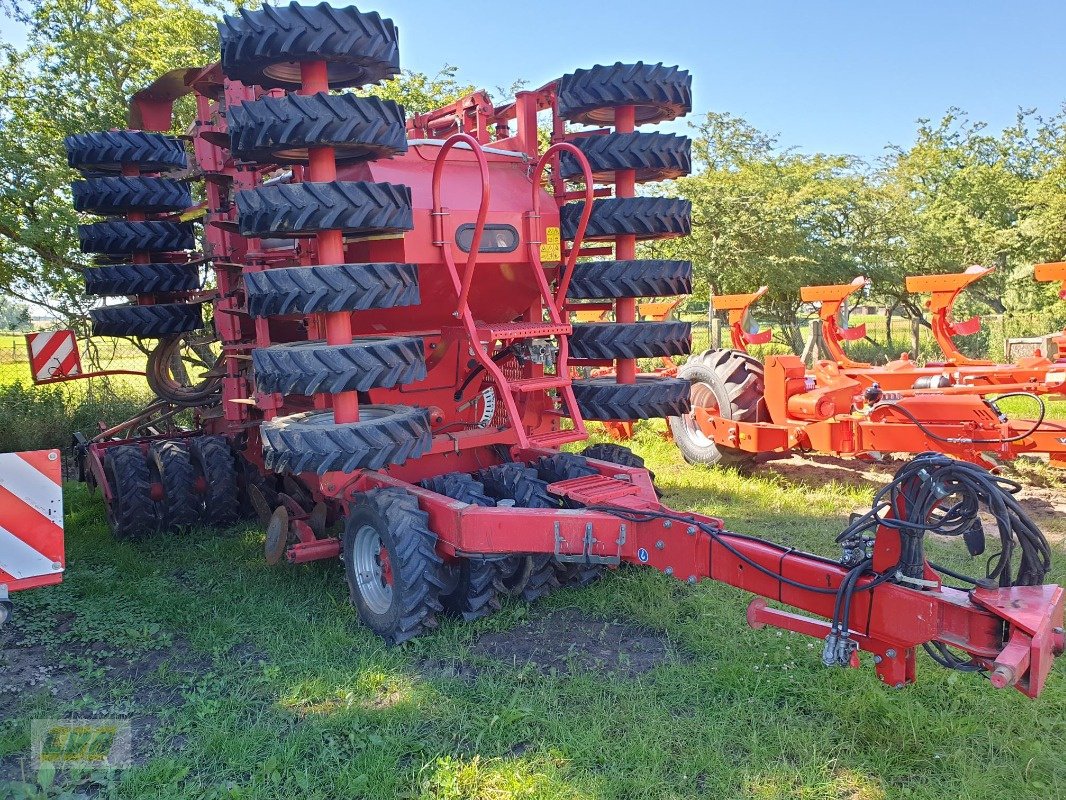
(391, 300)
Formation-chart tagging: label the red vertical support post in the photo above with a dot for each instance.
(322, 167)
(625, 247)
(134, 171)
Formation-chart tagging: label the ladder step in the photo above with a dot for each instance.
(505, 331)
(538, 384)
(556, 438)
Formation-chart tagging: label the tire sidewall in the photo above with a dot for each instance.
(695, 453)
(367, 516)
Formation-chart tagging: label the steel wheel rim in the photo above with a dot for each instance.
(369, 572)
(701, 396)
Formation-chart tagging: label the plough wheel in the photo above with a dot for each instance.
(643, 217)
(266, 46)
(284, 128)
(731, 384)
(342, 287)
(470, 583)
(630, 339)
(608, 280)
(395, 575)
(132, 512)
(107, 152)
(652, 156)
(349, 206)
(590, 96)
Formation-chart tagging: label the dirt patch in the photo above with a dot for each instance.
(568, 642)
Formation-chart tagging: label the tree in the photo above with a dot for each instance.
(14, 316)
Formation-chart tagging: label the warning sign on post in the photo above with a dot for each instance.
(53, 355)
(552, 249)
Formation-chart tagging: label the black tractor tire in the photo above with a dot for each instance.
(132, 513)
(650, 397)
(171, 464)
(390, 521)
(266, 46)
(652, 156)
(618, 454)
(563, 467)
(147, 322)
(643, 217)
(213, 461)
(342, 287)
(120, 280)
(470, 589)
(291, 209)
(601, 340)
(121, 195)
(370, 362)
(608, 280)
(659, 93)
(576, 574)
(529, 577)
(313, 442)
(120, 238)
(733, 383)
(107, 152)
(282, 129)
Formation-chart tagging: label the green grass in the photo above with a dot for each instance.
(260, 683)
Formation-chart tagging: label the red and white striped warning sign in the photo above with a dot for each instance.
(53, 355)
(31, 519)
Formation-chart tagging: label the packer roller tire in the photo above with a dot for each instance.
(650, 397)
(529, 577)
(658, 93)
(341, 287)
(610, 340)
(394, 572)
(609, 280)
(732, 384)
(643, 217)
(281, 129)
(652, 156)
(120, 280)
(313, 442)
(470, 583)
(214, 462)
(107, 152)
(171, 464)
(132, 512)
(370, 362)
(266, 46)
(292, 209)
(121, 238)
(110, 196)
(147, 322)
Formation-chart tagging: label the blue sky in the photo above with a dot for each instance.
(842, 77)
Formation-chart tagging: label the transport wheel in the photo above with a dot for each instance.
(106, 152)
(119, 280)
(469, 583)
(215, 473)
(281, 129)
(730, 383)
(342, 287)
(290, 209)
(590, 96)
(266, 46)
(149, 322)
(643, 217)
(132, 512)
(528, 577)
(650, 397)
(369, 362)
(630, 339)
(171, 465)
(652, 156)
(120, 238)
(391, 562)
(314, 442)
(120, 195)
(607, 280)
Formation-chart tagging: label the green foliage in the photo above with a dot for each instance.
(418, 92)
(14, 316)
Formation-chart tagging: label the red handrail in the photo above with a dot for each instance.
(482, 212)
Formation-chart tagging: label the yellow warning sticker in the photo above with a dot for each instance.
(552, 249)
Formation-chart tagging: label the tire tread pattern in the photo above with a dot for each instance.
(643, 217)
(342, 287)
(367, 363)
(151, 321)
(121, 194)
(650, 397)
(599, 340)
(119, 280)
(105, 152)
(608, 280)
(661, 93)
(298, 208)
